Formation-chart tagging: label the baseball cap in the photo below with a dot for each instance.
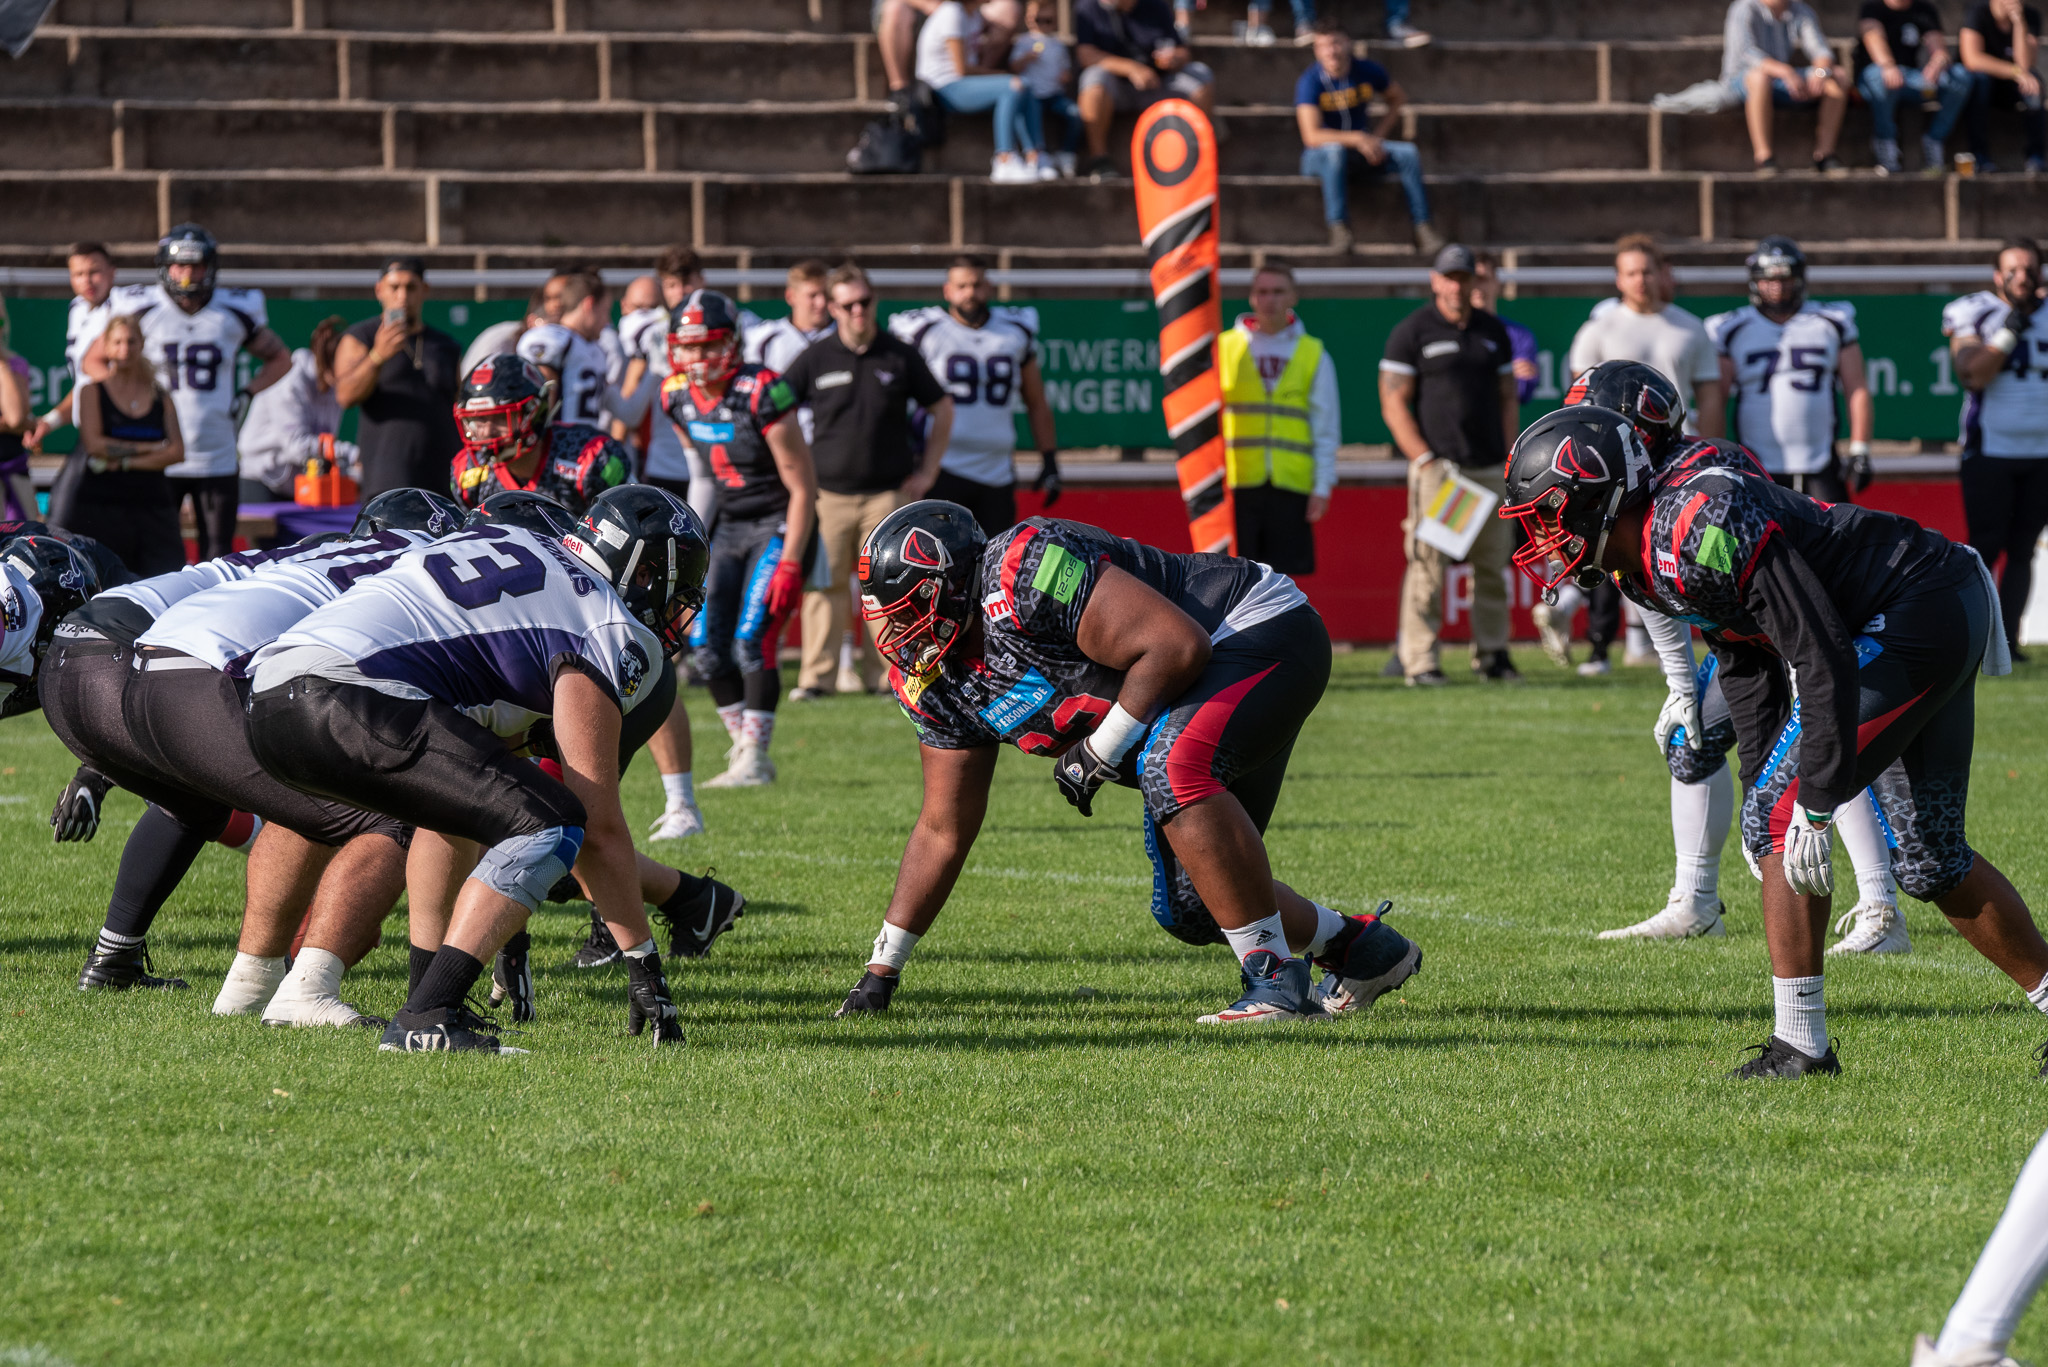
(1455, 259)
(415, 264)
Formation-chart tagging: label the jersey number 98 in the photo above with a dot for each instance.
(969, 382)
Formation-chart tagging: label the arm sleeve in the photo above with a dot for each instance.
(1739, 51)
(1706, 366)
(1045, 578)
(1522, 346)
(1326, 424)
(773, 399)
(1806, 35)
(1795, 612)
(1673, 641)
(631, 408)
(1759, 702)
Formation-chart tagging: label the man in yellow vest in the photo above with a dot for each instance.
(1280, 426)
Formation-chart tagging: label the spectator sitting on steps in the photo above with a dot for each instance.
(1132, 57)
(1047, 68)
(949, 60)
(2001, 45)
(1893, 36)
(1761, 40)
(1339, 139)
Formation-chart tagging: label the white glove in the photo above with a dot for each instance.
(1681, 710)
(1809, 852)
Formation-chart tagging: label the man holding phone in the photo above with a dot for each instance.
(403, 375)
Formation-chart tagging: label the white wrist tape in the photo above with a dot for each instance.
(2005, 340)
(1117, 734)
(1859, 448)
(893, 946)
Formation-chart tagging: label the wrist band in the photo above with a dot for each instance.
(1427, 454)
(893, 946)
(1116, 735)
(2005, 340)
(1859, 449)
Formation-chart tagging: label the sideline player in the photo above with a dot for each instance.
(570, 351)
(1186, 676)
(732, 414)
(1885, 623)
(95, 299)
(988, 360)
(1693, 729)
(2008, 1273)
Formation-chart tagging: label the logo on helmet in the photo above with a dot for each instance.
(922, 549)
(860, 570)
(1578, 462)
(678, 525)
(1577, 393)
(485, 370)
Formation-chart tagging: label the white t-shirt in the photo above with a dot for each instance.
(194, 355)
(499, 339)
(581, 364)
(2010, 417)
(934, 59)
(981, 368)
(84, 323)
(1672, 341)
(286, 422)
(1785, 381)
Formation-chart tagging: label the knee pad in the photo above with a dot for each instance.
(714, 663)
(526, 866)
(1175, 905)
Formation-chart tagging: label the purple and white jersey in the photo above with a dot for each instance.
(482, 620)
(21, 612)
(157, 594)
(2009, 416)
(224, 626)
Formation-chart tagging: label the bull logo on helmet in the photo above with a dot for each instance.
(924, 550)
(1575, 461)
(485, 369)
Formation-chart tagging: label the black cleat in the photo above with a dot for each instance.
(647, 1002)
(2042, 1054)
(695, 922)
(565, 890)
(449, 1029)
(1775, 1058)
(512, 977)
(600, 950)
(122, 969)
(870, 995)
(1365, 961)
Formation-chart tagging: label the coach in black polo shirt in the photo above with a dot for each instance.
(859, 383)
(1447, 392)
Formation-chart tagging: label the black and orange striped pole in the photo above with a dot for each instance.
(1173, 161)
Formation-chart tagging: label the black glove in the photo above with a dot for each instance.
(1048, 481)
(1080, 773)
(870, 995)
(1860, 473)
(238, 407)
(77, 813)
(647, 1001)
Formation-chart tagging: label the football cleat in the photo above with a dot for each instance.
(1872, 927)
(677, 823)
(648, 1003)
(1775, 1058)
(697, 922)
(250, 984)
(746, 767)
(77, 814)
(448, 1029)
(566, 890)
(1363, 962)
(321, 1010)
(1275, 989)
(1681, 919)
(870, 995)
(1925, 1354)
(599, 949)
(122, 969)
(512, 977)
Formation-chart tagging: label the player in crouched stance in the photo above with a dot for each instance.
(1885, 623)
(1185, 676)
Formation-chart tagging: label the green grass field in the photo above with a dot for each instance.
(1528, 1155)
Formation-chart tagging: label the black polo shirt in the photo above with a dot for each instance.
(1457, 374)
(860, 409)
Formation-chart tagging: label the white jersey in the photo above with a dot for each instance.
(1670, 341)
(482, 620)
(2009, 417)
(1785, 381)
(194, 355)
(775, 344)
(499, 339)
(84, 323)
(643, 334)
(981, 368)
(224, 626)
(158, 594)
(21, 612)
(581, 364)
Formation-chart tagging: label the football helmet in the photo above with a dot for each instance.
(1571, 475)
(1777, 258)
(61, 575)
(319, 539)
(188, 244)
(1639, 393)
(647, 544)
(502, 408)
(537, 513)
(708, 321)
(919, 570)
(409, 510)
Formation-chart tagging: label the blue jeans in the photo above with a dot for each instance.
(1032, 131)
(1006, 96)
(1304, 12)
(1952, 89)
(1334, 165)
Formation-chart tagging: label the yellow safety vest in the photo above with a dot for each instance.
(1268, 436)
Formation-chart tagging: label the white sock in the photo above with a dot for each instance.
(1802, 1014)
(2008, 1271)
(1700, 816)
(1328, 923)
(1266, 933)
(2039, 996)
(757, 729)
(682, 792)
(250, 984)
(315, 973)
(846, 650)
(111, 943)
(641, 950)
(1863, 837)
(730, 715)
(893, 946)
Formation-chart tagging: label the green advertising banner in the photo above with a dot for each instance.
(1100, 356)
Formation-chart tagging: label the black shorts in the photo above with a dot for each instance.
(994, 505)
(418, 760)
(1918, 716)
(1273, 526)
(1233, 731)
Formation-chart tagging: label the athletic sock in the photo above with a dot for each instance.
(1802, 1016)
(417, 970)
(1266, 933)
(446, 982)
(315, 973)
(641, 950)
(681, 791)
(250, 984)
(2007, 1274)
(757, 728)
(731, 714)
(1700, 816)
(2039, 996)
(892, 947)
(1328, 923)
(1863, 837)
(688, 889)
(111, 942)
(155, 860)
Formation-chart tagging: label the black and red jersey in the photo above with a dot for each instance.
(731, 433)
(580, 463)
(1712, 453)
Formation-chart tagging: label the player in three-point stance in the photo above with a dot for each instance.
(1884, 622)
(1185, 676)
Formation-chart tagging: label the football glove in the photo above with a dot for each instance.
(1809, 852)
(870, 995)
(238, 407)
(1048, 481)
(77, 813)
(648, 1002)
(785, 588)
(1858, 472)
(1681, 714)
(1081, 773)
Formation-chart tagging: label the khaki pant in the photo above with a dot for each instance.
(844, 521)
(1422, 587)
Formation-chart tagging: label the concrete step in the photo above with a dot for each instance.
(1530, 20)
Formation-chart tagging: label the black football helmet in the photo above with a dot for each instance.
(1639, 393)
(409, 510)
(919, 572)
(1571, 475)
(537, 513)
(1777, 258)
(647, 544)
(319, 539)
(709, 320)
(508, 388)
(62, 576)
(188, 244)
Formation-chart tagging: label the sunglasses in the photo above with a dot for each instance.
(866, 301)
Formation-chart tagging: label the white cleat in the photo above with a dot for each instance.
(1872, 927)
(746, 767)
(1556, 635)
(1925, 1354)
(677, 823)
(250, 985)
(1681, 919)
(318, 1010)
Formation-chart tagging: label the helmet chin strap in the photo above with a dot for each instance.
(1607, 521)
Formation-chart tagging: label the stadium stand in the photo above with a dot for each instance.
(315, 132)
